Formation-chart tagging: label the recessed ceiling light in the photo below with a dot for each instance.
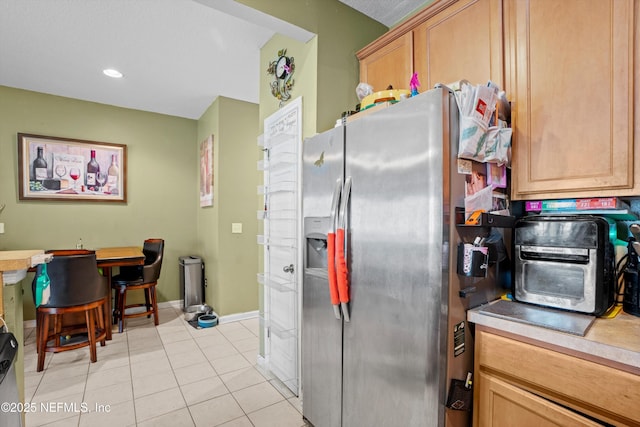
(112, 73)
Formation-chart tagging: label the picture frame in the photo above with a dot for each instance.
(54, 168)
(206, 172)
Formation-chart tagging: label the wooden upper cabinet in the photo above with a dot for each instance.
(464, 41)
(392, 64)
(570, 69)
(447, 41)
(571, 84)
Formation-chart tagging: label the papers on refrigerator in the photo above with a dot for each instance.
(484, 135)
(485, 187)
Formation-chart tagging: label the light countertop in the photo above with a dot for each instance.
(17, 260)
(614, 342)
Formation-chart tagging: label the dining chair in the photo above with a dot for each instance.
(75, 287)
(60, 252)
(144, 278)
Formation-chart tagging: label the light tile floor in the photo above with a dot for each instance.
(169, 375)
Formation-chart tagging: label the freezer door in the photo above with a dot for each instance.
(322, 165)
(321, 331)
(394, 345)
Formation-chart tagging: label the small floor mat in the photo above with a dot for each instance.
(194, 322)
(558, 320)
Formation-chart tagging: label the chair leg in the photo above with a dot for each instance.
(38, 330)
(123, 303)
(44, 333)
(101, 323)
(57, 328)
(147, 301)
(154, 302)
(116, 306)
(91, 334)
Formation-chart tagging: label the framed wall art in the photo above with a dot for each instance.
(206, 172)
(54, 168)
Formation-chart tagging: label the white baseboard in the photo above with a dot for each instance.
(238, 316)
(177, 304)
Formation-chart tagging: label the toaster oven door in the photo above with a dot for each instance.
(556, 277)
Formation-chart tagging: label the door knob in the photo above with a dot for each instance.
(288, 268)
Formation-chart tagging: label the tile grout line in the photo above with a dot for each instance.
(191, 338)
(84, 390)
(133, 395)
(218, 374)
(210, 364)
(174, 376)
(246, 415)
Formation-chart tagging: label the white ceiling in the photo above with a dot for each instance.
(177, 56)
(387, 12)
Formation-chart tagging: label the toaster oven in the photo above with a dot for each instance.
(565, 262)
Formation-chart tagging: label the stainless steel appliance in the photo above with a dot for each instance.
(565, 262)
(11, 413)
(383, 189)
(631, 295)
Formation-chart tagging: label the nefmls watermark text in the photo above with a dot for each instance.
(53, 407)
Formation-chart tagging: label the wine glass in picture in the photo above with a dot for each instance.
(101, 179)
(74, 174)
(60, 170)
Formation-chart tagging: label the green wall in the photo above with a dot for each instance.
(161, 182)
(305, 58)
(332, 69)
(163, 160)
(230, 258)
(326, 72)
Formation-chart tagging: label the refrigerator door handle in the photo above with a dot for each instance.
(331, 251)
(335, 202)
(343, 272)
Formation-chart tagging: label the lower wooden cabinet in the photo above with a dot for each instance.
(505, 405)
(520, 384)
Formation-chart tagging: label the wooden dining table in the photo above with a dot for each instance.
(107, 258)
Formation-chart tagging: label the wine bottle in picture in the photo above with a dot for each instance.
(112, 175)
(92, 169)
(40, 166)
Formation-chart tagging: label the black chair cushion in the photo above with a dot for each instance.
(74, 281)
(153, 250)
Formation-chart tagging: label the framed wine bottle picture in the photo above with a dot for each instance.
(54, 168)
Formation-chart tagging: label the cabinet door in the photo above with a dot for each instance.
(572, 91)
(567, 380)
(502, 404)
(464, 41)
(391, 64)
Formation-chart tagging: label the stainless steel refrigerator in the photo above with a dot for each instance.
(388, 355)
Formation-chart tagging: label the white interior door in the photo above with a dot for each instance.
(282, 250)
